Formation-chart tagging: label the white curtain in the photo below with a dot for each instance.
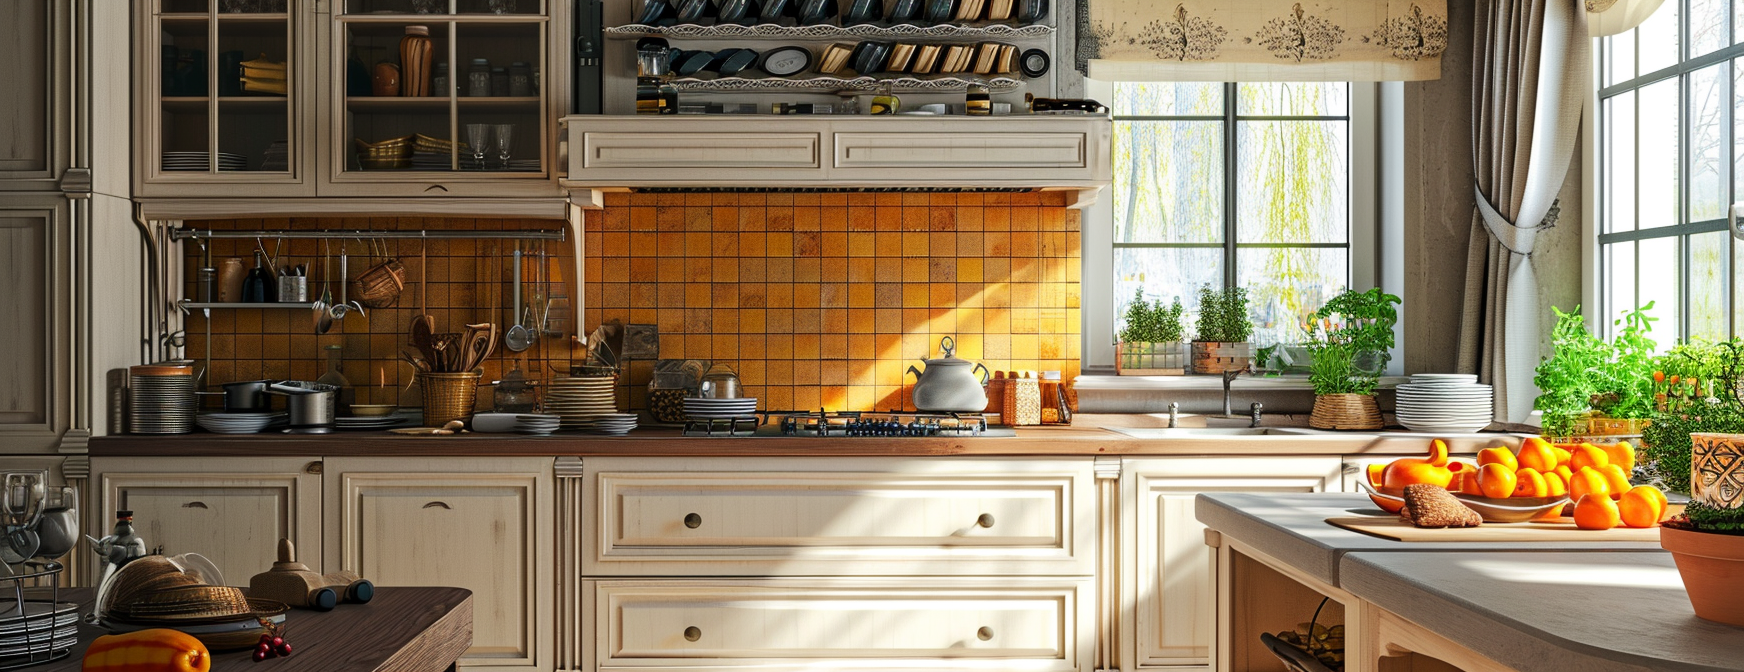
(1530, 77)
(1261, 40)
(1611, 17)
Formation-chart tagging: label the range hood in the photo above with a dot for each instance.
(840, 153)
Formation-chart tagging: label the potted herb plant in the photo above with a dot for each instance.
(1220, 340)
(1698, 447)
(1344, 393)
(1150, 343)
(1369, 318)
(1590, 387)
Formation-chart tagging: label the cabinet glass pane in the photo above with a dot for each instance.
(184, 121)
(529, 7)
(185, 6)
(253, 71)
(499, 88)
(499, 6)
(388, 129)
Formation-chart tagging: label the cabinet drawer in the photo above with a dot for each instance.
(1005, 624)
(853, 518)
(684, 151)
(961, 150)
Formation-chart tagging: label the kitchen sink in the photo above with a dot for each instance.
(1180, 432)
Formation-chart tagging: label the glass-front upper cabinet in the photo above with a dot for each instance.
(218, 95)
(444, 97)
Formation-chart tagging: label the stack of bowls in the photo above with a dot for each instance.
(581, 400)
(537, 425)
(696, 408)
(1445, 402)
(616, 424)
(160, 399)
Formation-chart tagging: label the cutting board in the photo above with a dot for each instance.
(1555, 529)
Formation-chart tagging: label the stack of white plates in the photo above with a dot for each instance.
(581, 400)
(237, 423)
(538, 425)
(368, 421)
(616, 424)
(160, 400)
(199, 161)
(1445, 402)
(713, 409)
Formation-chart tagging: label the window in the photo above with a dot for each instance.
(1246, 185)
(1669, 113)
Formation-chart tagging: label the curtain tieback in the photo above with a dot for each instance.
(1516, 239)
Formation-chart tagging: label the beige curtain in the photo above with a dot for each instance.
(1261, 40)
(1612, 17)
(1529, 79)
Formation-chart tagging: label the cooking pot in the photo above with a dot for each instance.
(311, 405)
(949, 384)
(247, 396)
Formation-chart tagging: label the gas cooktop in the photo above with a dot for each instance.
(850, 424)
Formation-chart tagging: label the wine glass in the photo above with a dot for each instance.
(501, 6)
(478, 136)
(505, 133)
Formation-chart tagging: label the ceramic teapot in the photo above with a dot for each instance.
(949, 384)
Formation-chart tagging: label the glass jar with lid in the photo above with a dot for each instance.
(673, 380)
(478, 78)
(520, 79)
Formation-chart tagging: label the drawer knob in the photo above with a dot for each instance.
(692, 521)
(984, 634)
(986, 520)
(692, 633)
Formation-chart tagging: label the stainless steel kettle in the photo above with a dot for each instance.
(949, 384)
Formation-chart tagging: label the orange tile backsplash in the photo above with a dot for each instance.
(819, 300)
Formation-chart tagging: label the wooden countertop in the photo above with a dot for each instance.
(1551, 612)
(663, 442)
(1292, 528)
(401, 629)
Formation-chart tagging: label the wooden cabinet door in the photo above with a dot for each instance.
(480, 524)
(35, 45)
(1170, 572)
(231, 510)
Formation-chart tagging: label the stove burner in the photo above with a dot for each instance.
(901, 424)
(742, 425)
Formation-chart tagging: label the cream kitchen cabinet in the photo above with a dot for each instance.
(1168, 581)
(1011, 624)
(233, 510)
(477, 523)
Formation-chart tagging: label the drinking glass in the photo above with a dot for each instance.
(478, 136)
(501, 6)
(429, 6)
(505, 133)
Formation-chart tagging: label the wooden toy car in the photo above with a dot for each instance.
(293, 583)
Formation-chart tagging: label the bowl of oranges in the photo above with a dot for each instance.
(1542, 482)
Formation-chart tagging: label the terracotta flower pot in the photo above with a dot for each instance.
(1712, 566)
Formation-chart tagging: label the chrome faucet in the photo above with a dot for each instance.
(1256, 410)
(1228, 378)
(1174, 414)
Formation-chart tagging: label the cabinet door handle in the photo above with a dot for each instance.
(435, 187)
(195, 505)
(984, 634)
(692, 521)
(692, 633)
(433, 505)
(986, 520)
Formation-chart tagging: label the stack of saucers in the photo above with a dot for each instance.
(538, 425)
(161, 399)
(1445, 402)
(581, 400)
(236, 423)
(615, 424)
(716, 409)
(365, 422)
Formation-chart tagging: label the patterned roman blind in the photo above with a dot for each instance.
(1261, 40)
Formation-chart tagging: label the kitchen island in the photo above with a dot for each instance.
(1491, 607)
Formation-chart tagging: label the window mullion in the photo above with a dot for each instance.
(1230, 271)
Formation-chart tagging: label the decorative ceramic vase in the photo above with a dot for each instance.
(1712, 564)
(386, 80)
(415, 53)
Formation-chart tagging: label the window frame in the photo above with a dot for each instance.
(1365, 235)
(1596, 289)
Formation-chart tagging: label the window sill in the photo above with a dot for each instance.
(1245, 382)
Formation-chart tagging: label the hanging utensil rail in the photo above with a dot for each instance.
(208, 234)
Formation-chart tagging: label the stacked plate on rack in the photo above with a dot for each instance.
(44, 631)
(718, 409)
(161, 399)
(362, 422)
(537, 425)
(201, 161)
(1445, 402)
(616, 424)
(237, 423)
(579, 401)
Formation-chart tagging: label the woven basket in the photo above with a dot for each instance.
(380, 286)
(1345, 411)
(448, 396)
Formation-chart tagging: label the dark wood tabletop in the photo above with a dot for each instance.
(400, 630)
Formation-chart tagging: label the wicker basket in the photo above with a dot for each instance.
(448, 396)
(1345, 411)
(1212, 358)
(380, 286)
(1150, 359)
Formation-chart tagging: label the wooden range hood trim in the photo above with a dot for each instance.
(438, 207)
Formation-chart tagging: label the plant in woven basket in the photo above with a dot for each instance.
(1333, 347)
(1223, 316)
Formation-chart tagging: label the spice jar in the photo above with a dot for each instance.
(499, 82)
(439, 83)
(1054, 409)
(520, 80)
(478, 78)
(1023, 400)
(666, 393)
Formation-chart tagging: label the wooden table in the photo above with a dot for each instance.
(401, 630)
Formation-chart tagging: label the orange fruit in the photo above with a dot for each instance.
(1615, 478)
(1438, 453)
(1529, 483)
(1563, 453)
(1566, 473)
(1538, 455)
(1496, 480)
(1554, 486)
(1588, 481)
(1641, 507)
(1374, 473)
(1622, 454)
(1655, 494)
(1596, 512)
(1501, 456)
(1588, 455)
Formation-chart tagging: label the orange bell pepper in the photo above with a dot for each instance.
(156, 650)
